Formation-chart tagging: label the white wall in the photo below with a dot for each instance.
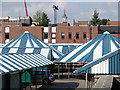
(101, 68)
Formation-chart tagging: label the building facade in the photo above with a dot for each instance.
(80, 32)
(26, 21)
(9, 31)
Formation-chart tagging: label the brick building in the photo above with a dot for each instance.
(11, 30)
(80, 32)
(25, 21)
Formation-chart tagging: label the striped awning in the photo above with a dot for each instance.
(15, 62)
(65, 49)
(14, 50)
(107, 64)
(44, 51)
(92, 49)
(27, 43)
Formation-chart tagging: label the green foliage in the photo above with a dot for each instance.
(97, 21)
(104, 22)
(41, 17)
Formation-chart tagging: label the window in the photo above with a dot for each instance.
(17, 25)
(70, 35)
(77, 35)
(53, 35)
(7, 29)
(84, 35)
(6, 36)
(62, 35)
(45, 35)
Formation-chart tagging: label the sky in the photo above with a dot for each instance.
(78, 10)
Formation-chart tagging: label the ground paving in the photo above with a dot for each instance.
(63, 84)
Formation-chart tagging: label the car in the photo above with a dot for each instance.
(42, 76)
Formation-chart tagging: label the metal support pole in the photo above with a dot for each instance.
(58, 72)
(65, 65)
(62, 70)
(86, 81)
(73, 69)
(68, 71)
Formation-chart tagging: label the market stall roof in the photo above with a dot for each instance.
(107, 64)
(27, 43)
(65, 48)
(15, 62)
(92, 49)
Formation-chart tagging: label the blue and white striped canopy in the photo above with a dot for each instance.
(43, 51)
(92, 49)
(27, 43)
(108, 64)
(15, 62)
(65, 49)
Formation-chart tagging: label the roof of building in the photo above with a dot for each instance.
(79, 23)
(92, 49)
(113, 23)
(27, 43)
(111, 29)
(16, 62)
(87, 68)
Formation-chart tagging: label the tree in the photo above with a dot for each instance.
(95, 20)
(104, 22)
(41, 17)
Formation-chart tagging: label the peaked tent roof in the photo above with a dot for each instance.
(65, 49)
(14, 62)
(109, 57)
(92, 49)
(27, 43)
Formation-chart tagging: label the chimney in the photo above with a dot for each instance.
(19, 18)
(73, 22)
(8, 18)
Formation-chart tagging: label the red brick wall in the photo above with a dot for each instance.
(73, 30)
(38, 32)
(63, 24)
(113, 22)
(16, 31)
(10, 24)
(81, 23)
(94, 31)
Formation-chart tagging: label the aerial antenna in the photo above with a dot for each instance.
(26, 8)
(55, 13)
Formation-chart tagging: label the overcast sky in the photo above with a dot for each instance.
(80, 11)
